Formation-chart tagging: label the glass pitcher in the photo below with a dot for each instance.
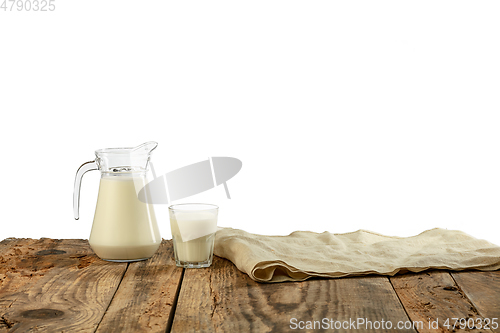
(124, 227)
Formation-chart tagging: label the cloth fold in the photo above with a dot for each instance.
(304, 254)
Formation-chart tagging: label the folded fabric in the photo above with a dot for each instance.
(304, 254)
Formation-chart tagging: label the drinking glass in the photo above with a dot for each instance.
(193, 233)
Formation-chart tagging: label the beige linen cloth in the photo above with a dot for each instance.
(304, 254)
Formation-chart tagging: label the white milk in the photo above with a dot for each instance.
(193, 235)
(124, 228)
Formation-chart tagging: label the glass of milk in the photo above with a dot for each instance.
(193, 233)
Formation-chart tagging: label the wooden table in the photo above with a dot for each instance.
(53, 285)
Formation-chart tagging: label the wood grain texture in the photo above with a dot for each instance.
(483, 290)
(431, 296)
(223, 299)
(52, 285)
(144, 300)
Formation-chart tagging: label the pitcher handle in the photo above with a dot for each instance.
(88, 166)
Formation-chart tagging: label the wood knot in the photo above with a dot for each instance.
(452, 288)
(49, 252)
(4, 322)
(42, 313)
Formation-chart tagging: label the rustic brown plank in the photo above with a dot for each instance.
(144, 300)
(10, 249)
(431, 296)
(54, 285)
(8, 242)
(483, 290)
(15, 270)
(222, 299)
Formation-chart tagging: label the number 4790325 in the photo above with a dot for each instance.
(28, 5)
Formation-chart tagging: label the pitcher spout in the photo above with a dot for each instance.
(146, 147)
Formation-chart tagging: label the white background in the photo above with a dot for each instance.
(380, 115)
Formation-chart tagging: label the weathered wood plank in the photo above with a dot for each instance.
(144, 300)
(16, 256)
(483, 290)
(54, 285)
(8, 242)
(222, 299)
(434, 296)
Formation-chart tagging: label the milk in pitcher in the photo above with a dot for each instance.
(124, 228)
